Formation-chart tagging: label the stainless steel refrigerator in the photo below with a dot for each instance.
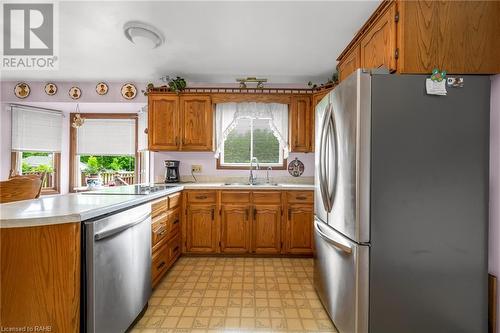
(401, 205)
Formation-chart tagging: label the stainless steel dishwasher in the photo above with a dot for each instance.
(116, 269)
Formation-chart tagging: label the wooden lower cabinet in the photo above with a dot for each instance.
(165, 235)
(235, 223)
(266, 229)
(299, 229)
(201, 230)
(243, 222)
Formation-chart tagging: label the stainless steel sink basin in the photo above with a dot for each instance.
(236, 184)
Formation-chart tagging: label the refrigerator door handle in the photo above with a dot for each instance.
(323, 181)
(331, 133)
(344, 248)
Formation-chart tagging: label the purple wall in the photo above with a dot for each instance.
(494, 232)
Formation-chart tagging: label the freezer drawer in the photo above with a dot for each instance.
(341, 275)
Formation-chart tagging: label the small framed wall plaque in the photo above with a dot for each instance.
(129, 91)
(75, 93)
(22, 90)
(101, 88)
(50, 89)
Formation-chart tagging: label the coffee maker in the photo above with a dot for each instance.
(172, 172)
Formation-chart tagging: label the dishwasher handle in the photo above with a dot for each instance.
(113, 231)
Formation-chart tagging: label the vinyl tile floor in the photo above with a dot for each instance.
(206, 294)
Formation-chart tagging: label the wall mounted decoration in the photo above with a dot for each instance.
(75, 93)
(129, 91)
(101, 88)
(77, 121)
(296, 167)
(22, 90)
(50, 89)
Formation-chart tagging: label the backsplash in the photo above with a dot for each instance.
(210, 173)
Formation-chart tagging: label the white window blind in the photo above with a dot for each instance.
(106, 137)
(36, 129)
(142, 125)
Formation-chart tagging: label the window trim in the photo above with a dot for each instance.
(15, 162)
(72, 142)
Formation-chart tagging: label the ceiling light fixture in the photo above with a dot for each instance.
(143, 34)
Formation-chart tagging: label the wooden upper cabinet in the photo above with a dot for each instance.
(201, 229)
(197, 123)
(163, 122)
(350, 63)
(378, 46)
(457, 36)
(266, 233)
(301, 124)
(298, 235)
(414, 37)
(235, 222)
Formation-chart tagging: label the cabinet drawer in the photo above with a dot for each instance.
(174, 223)
(174, 200)
(159, 263)
(300, 196)
(174, 249)
(201, 196)
(158, 207)
(266, 197)
(235, 197)
(158, 234)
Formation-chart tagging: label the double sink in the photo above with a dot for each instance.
(250, 184)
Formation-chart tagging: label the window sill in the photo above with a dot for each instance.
(49, 191)
(219, 166)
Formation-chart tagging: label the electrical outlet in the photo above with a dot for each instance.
(196, 168)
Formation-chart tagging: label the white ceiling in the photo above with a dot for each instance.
(287, 42)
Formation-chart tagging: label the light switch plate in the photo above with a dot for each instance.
(195, 168)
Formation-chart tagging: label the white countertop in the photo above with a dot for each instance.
(219, 186)
(78, 207)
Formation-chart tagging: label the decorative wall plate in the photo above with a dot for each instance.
(50, 89)
(22, 90)
(129, 91)
(75, 93)
(296, 167)
(101, 88)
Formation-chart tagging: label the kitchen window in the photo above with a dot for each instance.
(251, 130)
(36, 144)
(103, 150)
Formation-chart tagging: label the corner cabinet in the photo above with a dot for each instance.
(180, 123)
(414, 37)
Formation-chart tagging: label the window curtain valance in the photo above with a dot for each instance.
(229, 114)
(36, 129)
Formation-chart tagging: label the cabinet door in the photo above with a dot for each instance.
(350, 63)
(301, 124)
(201, 231)
(163, 122)
(235, 228)
(197, 123)
(378, 45)
(299, 233)
(266, 233)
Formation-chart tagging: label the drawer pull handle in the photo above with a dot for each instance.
(176, 248)
(201, 197)
(162, 232)
(160, 265)
(176, 221)
(301, 198)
